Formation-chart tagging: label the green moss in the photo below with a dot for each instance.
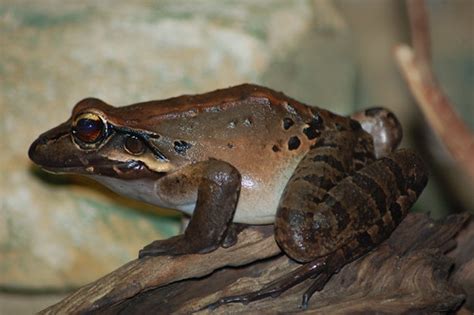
(43, 18)
(257, 31)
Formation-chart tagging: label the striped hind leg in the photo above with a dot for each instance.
(404, 172)
(330, 160)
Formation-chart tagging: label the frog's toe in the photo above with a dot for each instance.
(172, 246)
(150, 252)
(317, 285)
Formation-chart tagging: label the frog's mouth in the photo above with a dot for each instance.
(124, 170)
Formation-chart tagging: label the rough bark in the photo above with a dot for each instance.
(410, 272)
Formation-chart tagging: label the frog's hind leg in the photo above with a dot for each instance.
(404, 177)
(331, 159)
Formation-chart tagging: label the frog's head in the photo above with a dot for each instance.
(95, 142)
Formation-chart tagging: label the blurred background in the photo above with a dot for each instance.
(60, 232)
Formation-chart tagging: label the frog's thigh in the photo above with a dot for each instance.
(324, 166)
(365, 206)
(218, 187)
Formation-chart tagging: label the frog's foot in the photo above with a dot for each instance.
(317, 269)
(318, 284)
(174, 246)
(232, 234)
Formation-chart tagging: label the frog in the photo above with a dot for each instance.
(333, 186)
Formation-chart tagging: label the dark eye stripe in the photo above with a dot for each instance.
(148, 139)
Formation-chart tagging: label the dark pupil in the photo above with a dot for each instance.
(88, 130)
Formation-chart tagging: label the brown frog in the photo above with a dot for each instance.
(333, 186)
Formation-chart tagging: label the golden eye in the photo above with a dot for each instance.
(89, 128)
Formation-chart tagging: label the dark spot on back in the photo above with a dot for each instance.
(294, 143)
(314, 126)
(287, 123)
(230, 145)
(181, 146)
(317, 120)
(275, 148)
(311, 133)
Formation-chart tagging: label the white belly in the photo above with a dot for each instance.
(258, 202)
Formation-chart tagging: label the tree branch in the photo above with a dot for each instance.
(416, 68)
(407, 272)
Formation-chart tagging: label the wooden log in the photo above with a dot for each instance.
(463, 273)
(408, 272)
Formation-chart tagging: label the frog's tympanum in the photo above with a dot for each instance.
(333, 186)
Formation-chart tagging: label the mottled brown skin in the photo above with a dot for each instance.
(333, 185)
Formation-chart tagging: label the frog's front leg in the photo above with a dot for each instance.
(217, 185)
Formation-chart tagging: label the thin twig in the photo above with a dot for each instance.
(416, 67)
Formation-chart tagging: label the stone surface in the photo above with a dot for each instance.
(58, 232)
(16, 303)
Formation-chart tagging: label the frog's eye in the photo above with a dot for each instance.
(89, 128)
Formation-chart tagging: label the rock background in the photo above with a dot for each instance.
(59, 232)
